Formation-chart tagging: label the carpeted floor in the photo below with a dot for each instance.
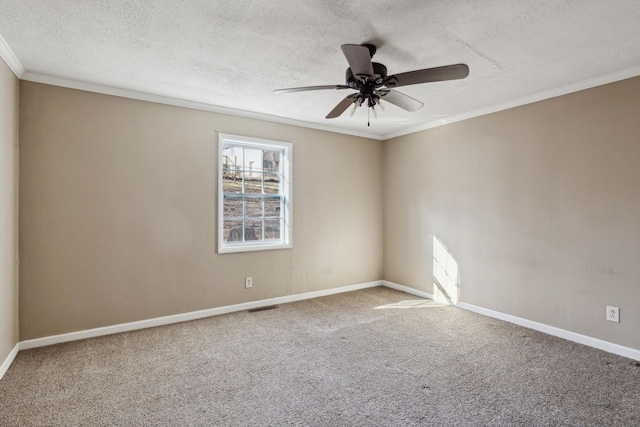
(375, 357)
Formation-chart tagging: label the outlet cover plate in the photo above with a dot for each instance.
(248, 282)
(613, 314)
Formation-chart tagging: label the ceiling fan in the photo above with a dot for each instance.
(372, 84)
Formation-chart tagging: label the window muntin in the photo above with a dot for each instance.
(254, 194)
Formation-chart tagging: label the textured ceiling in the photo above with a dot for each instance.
(234, 53)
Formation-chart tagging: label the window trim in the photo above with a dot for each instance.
(287, 169)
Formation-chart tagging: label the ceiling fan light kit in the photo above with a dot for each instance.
(372, 84)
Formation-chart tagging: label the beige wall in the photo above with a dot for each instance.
(118, 212)
(538, 205)
(8, 210)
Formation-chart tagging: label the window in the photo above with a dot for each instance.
(254, 194)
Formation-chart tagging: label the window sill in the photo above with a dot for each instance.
(227, 249)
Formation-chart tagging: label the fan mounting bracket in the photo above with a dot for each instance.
(372, 49)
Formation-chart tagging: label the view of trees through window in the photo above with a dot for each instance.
(253, 194)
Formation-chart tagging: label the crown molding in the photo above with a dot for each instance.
(7, 54)
(540, 96)
(160, 99)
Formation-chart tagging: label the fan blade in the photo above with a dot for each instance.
(359, 59)
(342, 106)
(437, 74)
(309, 88)
(401, 100)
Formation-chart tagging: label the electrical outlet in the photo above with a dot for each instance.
(248, 282)
(613, 314)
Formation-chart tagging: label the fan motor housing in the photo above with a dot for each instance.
(379, 72)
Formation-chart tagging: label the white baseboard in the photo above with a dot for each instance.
(9, 360)
(184, 317)
(607, 346)
(406, 289)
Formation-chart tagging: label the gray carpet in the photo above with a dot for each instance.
(334, 361)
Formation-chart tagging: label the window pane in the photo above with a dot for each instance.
(272, 229)
(232, 182)
(254, 208)
(253, 230)
(271, 183)
(232, 208)
(233, 231)
(252, 160)
(271, 161)
(252, 182)
(254, 194)
(232, 158)
(272, 207)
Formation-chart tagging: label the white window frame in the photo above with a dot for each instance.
(286, 231)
